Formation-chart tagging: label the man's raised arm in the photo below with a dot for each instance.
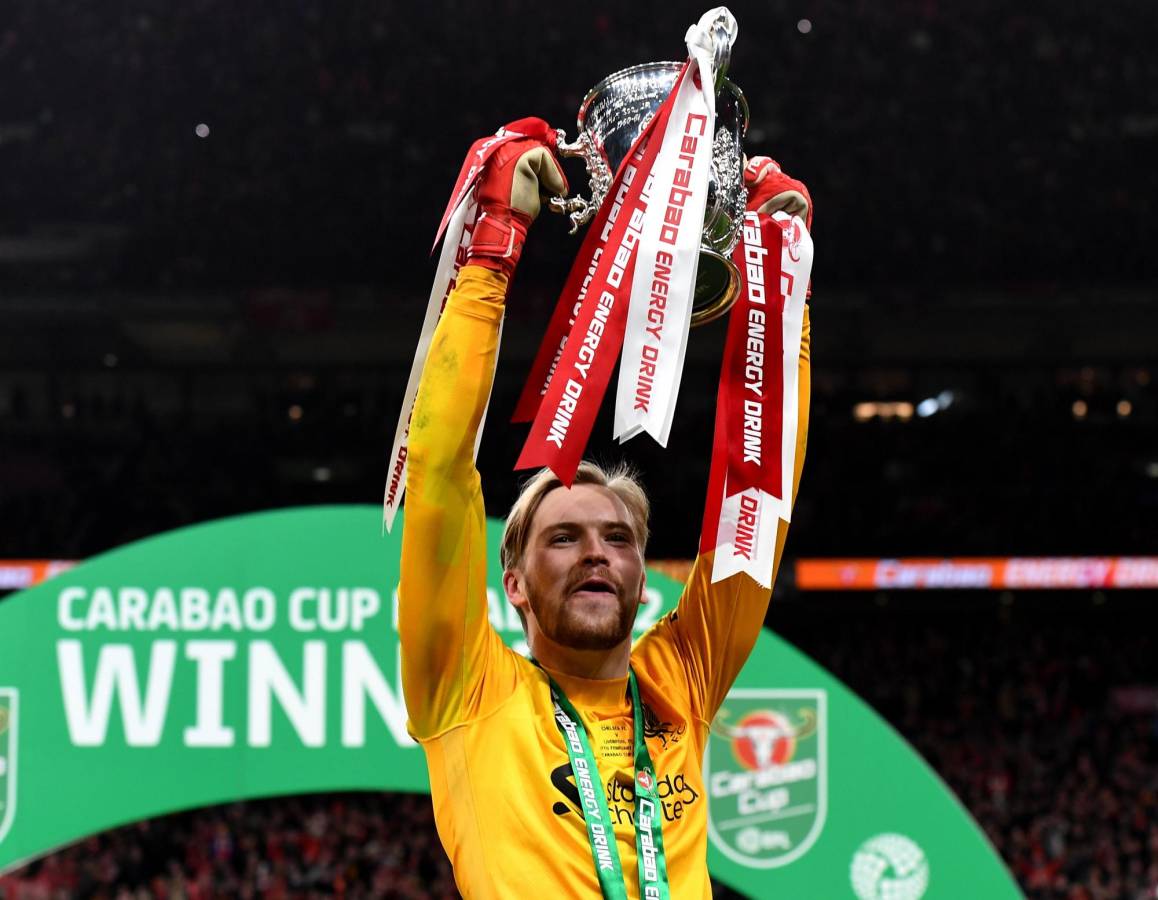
(449, 652)
(715, 626)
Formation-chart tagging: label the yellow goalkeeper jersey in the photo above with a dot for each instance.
(505, 800)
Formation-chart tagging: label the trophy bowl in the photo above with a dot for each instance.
(611, 117)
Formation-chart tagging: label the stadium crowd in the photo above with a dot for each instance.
(116, 469)
(1026, 719)
(351, 846)
(1023, 712)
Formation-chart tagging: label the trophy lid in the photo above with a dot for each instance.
(619, 107)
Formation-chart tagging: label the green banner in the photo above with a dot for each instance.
(258, 656)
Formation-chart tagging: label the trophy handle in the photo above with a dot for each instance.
(721, 25)
(579, 209)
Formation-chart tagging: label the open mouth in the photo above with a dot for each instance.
(595, 586)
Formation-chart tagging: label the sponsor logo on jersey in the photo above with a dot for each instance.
(767, 775)
(675, 794)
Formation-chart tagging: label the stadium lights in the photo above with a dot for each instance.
(884, 409)
(1080, 409)
(1125, 407)
(931, 405)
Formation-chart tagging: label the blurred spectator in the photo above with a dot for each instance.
(1003, 471)
(1017, 712)
(352, 846)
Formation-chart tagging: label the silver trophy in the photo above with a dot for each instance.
(613, 114)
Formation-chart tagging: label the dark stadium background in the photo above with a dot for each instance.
(197, 326)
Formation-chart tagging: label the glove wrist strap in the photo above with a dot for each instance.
(498, 238)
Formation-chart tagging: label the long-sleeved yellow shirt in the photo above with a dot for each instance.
(505, 801)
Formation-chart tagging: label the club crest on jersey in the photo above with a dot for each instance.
(8, 726)
(767, 775)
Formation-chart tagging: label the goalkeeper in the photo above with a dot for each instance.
(577, 774)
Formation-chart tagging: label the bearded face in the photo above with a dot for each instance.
(591, 612)
(581, 576)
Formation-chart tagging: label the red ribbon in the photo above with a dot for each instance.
(564, 419)
(749, 427)
(709, 533)
(566, 413)
(562, 321)
(754, 370)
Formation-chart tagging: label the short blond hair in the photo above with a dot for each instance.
(621, 480)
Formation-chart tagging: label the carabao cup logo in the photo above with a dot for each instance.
(8, 721)
(767, 775)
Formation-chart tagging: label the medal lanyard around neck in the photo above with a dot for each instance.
(648, 812)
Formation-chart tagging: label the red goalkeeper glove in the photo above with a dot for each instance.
(509, 190)
(771, 191)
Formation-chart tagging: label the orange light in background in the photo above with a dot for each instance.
(848, 574)
(979, 573)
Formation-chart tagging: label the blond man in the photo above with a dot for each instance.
(577, 773)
